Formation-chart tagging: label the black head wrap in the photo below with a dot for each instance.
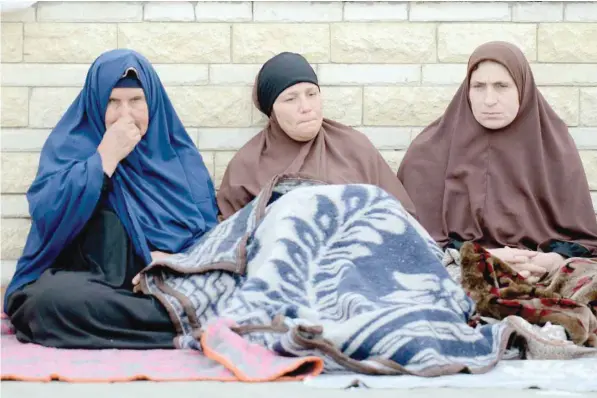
(280, 72)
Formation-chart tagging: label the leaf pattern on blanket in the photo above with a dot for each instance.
(341, 272)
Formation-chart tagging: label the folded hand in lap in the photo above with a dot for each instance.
(157, 255)
(520, 260)
(549, 261)
(528, 262)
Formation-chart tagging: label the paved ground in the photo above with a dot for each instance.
(237, 390)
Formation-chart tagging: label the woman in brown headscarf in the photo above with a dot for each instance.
(297, 139)
(499, 168)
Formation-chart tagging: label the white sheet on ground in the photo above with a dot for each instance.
(579, 375)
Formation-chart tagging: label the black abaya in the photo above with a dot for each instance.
(86, 300)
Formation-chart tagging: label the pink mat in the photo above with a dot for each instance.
(228, 357)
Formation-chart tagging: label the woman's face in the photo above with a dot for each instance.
(493, 95)
(128, 102)
(298, 110)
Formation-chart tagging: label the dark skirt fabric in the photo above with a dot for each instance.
(86, 300)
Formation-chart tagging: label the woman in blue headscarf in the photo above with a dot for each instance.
(119, 183)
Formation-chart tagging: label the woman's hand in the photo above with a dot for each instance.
(520, 260)
(157, 255)
(527, 262)
(136, 281)
(513, 256)
(549, 261)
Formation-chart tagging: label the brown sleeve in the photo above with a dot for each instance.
(231, 197)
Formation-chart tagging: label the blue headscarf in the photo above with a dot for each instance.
(162, 191)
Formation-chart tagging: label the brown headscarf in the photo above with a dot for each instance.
(337, 155)
(519, 186)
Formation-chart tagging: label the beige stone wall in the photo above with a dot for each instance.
(387, 68)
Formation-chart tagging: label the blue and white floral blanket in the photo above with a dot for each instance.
(340, 272)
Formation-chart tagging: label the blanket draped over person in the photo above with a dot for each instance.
(339, 272)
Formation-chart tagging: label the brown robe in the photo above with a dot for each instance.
(519, 186)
